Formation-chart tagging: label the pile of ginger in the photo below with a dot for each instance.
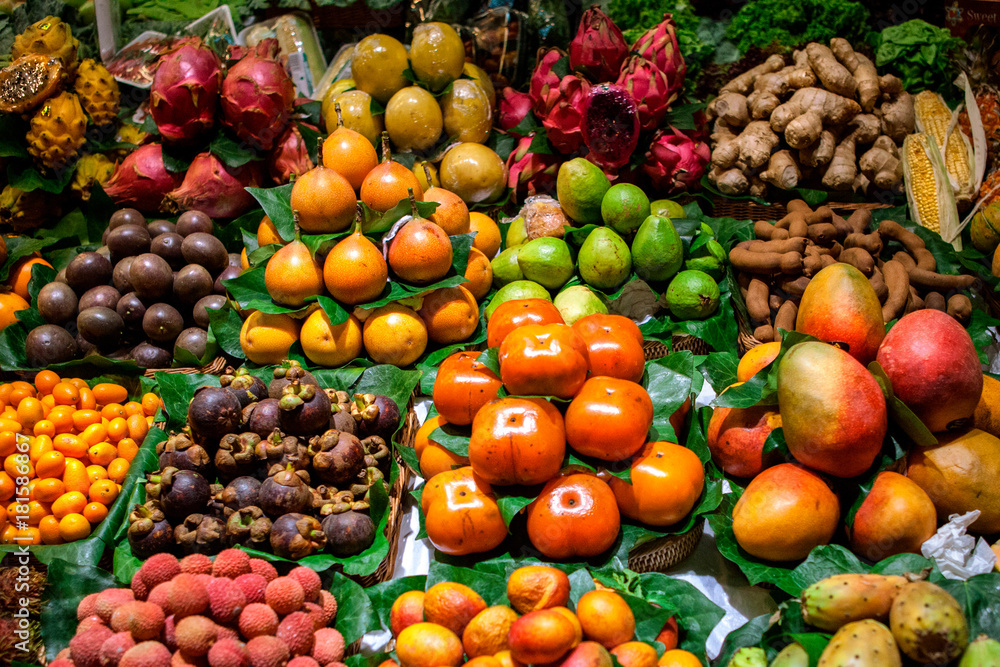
(826, 121)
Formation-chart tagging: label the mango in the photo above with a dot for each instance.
(832, 409)
(736, 438)
(987, 414)
(896, 517)
(934, 369)
(840, 306)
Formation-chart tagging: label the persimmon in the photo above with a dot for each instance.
(606, 406)
(543, 360)
(461, 514)
(517, 441)
(614, 346)
(575, 515)
(463, 386)
(667, 480)
(510, 315)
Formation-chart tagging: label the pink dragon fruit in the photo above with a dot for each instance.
(514, 106)
(215, 189)
(142, 181)
(531, 173)
(544, 88)
(257, 97)
(290, 157)
(562, 124)
(659, 46)
(610, 125)
(185, 91)
(675, 163)
(650, 88)
(599, 48)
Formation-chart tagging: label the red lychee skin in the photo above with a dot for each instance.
(86, 607)
(203, 578)
(226, 600)
(65, 654)
(195, 635)
(196, 564)
(109, 600)
(231, 563)
(328, 646)
(146, 654)
(160, 596)
(258, 619)
(228, 653)
(302, 661)
(62, 662)
(253, 586)
(157, 569)
(114, 647)
(170, 632)
(335, 664)
(316, 613)
(226, 632)
(267, 651)
(296, 630)
(180, 659)
(90, 622)
(86, 648)
(311, 583)
(284, 595)
(329, 604)
(188, 595)
(140, 591)
(144, 620)
(263, 568)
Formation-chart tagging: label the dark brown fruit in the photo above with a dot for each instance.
(348, 533)
(105, 296)
(284, 492)
(157, 227)
(101, 326)
(126, 216)
(120, 277)
(151, 276)
(194, 340)
(168, 246)
(128, 241)
(240, 493)
(49, 344)
(162, 322)
(149, 532)
(180, 492)
(205, 304)
(212, 413)
(297, 536)
(192, 283)
(191, 222)
(205, 249)
(265, 416)
(147, 355)
(84, 347)
(57, 303)
(86, 270)
(228, 273)
(131, 309)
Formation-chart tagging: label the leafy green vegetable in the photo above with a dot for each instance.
(763, 22)
(920, 54)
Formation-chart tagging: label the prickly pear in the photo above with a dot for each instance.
(928, 623)
(610, 125)
(748, 656)
(792, 655)
(865, 643)
(830, 603)
(983, 652)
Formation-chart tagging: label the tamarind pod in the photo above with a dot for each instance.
(797, 205)
(860, 259)
(897, 283)
(796, 287)
(925, 260)
(960, 307)
(869, 242)
(763, 230)
(827, 260)
(905, 259)
(791, 263)
(774, 302)
(782, 246)
(843, 228)
(743, 279)
(764, 333)
(791, 216)
(895, 231)
(860, 219)
(836, 249)
(935, 300)
(811, 265)
(822, 232)
(914, 302)
(821, 214)
(785, 319)
(757, 306)
(815, 251)
(938, 281)
(877, 281)
(779, 234)
(798, 227)
(746, 260)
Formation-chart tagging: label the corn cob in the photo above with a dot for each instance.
(933, 117)
(928, 190)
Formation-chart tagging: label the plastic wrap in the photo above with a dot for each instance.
(298, 44)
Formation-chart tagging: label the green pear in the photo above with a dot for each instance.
(657, 250)
(605, 261)
(547, 261)
(580, 188)
(577, 302)
(506, 268)
(519, 289)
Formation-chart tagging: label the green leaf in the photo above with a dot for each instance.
(19, 247)
(334, 311)
(719, 369)
(696, 615)
(491, 359)
(492, 587)
(250, 291)
(825, 561)
(12, 131)
(232, 153)
(41, 275)
(750, 633)
(383, 595)
(320, 244)
(29, 179)
(66, 584)
(277, 204)
(978, 598)
(260, 256)
(374, 222)
(177, 390)
(355, 615)
(511, 505)
(225, 324)
(453, 438)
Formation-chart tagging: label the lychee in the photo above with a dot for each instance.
(144, 620)
(228, 653)
(196, 564)
(114, 647)
(182, 659)
(203, 578)
(160, 596)
(258, 619)
(267, 652)
(90, 622)
(284, 595)
(316, 614)
(65, 654)
(62, 662)
(340, 664)
(86, 647)
(110, 599)
(328, 646)
(226, 632)
(329, 604)
(140, 591)
(158, 568)
(252, 585)
(302, 661)
(170, 632)
(231, 563)
(296, 630)
(188, 596)
(195, 635)
(263, 568)
(311, 583)
(86, 607)
(145, 654)
(226, 599)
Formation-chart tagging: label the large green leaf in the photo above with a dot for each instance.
(277, 204)
(177, 390)
(66, 584)
(355, 615)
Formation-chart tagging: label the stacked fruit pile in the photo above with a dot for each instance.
(233, 611)
(259, 465)
(66, 450)
(520, 440)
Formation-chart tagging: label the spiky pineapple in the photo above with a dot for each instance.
(91, 169)
(98, 91)
(24, 211)
(57, 131)
(50, 37)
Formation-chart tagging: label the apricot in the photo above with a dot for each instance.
(452, 605)
(406, 610)
(896, 517)
(606, 618)
(535, 587)
(428, 645)
(541, 636)
(736, 438)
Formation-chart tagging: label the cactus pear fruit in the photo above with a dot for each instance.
(792, 655)
(928, 623)
(830, 603)
(748, 656)
(610, 125)
(864, 643)
(984, 652)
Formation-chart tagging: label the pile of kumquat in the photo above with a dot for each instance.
(66, 448)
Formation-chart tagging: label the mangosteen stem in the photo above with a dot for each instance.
(386, 155)
(340, 116)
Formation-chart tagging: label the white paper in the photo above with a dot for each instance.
(957, 554)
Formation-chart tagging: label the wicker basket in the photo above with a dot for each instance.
(654, 349)
(745, 209)
(214, 367)
(661, 554)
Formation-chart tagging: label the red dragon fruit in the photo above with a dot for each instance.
(544, 88)
(531, 173)
(290, 157)
(610, 125)
(185, 91)
(659, 46)
(257, 97)
(514, 106)
(675, 163)
(650, 88)
(562, 124)
(142, 181)
(598, 49)
(213, 188)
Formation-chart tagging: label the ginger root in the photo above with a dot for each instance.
(752, 147)
(729, 181)
(782, 171)
(897, 115)
(803, 131)
(744, 82)
(819, 153)
(881, 164)
(730, 108)
(843, 168)
(834, 109)
(863, 70)
(835, 77)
